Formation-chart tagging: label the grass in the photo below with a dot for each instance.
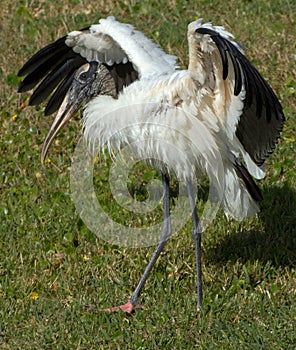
(51, 266)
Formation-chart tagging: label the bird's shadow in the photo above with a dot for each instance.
(274, 243)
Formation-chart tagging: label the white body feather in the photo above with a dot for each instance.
(158, 120)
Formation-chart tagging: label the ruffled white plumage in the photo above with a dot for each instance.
(179, 138)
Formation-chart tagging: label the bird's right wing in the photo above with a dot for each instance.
(244, 103)
(126, 52)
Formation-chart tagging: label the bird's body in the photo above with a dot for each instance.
(183, 140)
(212, 117)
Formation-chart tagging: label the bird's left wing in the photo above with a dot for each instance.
(244, 103)
(126, 52)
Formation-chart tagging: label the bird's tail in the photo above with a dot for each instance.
(252, 188)
(240, 192)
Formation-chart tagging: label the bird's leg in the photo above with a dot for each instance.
(196, 234)
(165, 235)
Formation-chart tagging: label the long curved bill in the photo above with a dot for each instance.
(65, 113)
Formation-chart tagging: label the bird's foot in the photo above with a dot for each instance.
(128, 308)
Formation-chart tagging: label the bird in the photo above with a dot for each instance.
(219, 116)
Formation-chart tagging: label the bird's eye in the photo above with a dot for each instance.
(83, 76)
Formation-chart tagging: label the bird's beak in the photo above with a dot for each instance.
(77, 95)
(65, 113)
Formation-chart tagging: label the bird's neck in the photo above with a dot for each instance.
(106, 82)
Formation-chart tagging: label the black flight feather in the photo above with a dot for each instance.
(251, 186)
(262, 120)
(41, 69)
(52, 80)
(58, 96)
(41, 56)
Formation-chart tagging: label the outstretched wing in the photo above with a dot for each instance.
(127, 53)
(251, 111)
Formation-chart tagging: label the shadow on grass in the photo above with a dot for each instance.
(276, 243)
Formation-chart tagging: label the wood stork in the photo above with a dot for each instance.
(221, 101)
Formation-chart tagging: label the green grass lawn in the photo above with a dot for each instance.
(52, 266)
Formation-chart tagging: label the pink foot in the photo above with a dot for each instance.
(128, 308)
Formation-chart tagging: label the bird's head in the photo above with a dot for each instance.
(90, 80)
